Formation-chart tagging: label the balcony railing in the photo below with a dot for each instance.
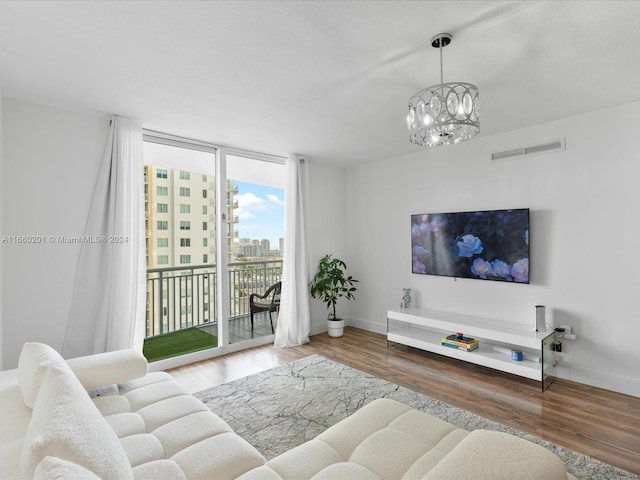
(184, 297)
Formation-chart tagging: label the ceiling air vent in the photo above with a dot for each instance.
(546, 147)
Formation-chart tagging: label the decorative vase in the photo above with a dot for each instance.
(335, 328)
(406, 298)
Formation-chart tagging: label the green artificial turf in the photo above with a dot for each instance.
(177, 343)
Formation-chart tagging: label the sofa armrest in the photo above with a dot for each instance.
(102, 369)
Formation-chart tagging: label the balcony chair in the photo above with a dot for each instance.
(269, 302)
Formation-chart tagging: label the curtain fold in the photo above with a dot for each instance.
(294, 318)
(108, 300)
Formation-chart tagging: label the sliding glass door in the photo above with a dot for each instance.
(213, 239)
(257, 229)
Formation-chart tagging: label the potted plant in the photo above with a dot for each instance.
(329, 284)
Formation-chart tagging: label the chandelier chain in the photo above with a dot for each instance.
(441, 73)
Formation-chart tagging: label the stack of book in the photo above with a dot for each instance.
(460, 342)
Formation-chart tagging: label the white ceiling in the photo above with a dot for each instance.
(326, 79)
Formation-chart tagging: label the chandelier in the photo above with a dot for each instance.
(446, 113)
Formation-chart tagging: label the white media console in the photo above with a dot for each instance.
(424, 329)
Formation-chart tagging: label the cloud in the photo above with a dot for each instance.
(248, 205)
(260, 215)
(274, 199)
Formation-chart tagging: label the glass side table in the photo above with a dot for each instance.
(549, 359)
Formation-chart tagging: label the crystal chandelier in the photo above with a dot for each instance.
(446, 113)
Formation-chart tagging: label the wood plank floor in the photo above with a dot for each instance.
(601, 424)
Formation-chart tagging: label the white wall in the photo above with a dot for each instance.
(584, 223)
(50, 160)
(327, 228)
(1, 233)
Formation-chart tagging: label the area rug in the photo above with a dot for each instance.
(283, 407)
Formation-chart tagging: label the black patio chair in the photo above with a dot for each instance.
(269, 302)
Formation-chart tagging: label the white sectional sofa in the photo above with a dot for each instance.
(103, 416)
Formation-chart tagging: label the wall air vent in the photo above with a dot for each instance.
(540, 148)
(504, 155)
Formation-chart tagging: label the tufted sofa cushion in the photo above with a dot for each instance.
(383, 440)
(169, 434)
(389, 440)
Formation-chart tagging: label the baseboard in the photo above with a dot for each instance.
(607, 381)
(367, 325)
(317, 328)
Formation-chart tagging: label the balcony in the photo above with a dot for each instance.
(182, 304)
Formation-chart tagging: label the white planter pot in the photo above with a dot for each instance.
(335, 328)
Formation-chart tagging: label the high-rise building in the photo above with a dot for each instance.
(180, 221)
(180, 210)
(266, 246)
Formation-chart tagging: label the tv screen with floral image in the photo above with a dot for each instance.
(488, 245)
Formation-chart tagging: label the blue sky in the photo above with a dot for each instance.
(260, 212)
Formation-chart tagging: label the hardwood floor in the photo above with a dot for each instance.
(601, 424)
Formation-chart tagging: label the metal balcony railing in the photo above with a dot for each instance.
(181, 297)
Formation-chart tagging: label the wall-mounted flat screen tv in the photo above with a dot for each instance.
(488, 245)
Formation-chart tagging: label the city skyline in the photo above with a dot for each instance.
(260, 211)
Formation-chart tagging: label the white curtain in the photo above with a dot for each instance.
(294, 319)
(108, 301)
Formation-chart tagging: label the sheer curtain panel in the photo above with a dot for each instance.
(294, 319)
(108, 301)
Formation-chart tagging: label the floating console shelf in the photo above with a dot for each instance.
(424, 329)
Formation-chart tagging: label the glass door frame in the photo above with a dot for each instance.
(222, 244)
(222, 251)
